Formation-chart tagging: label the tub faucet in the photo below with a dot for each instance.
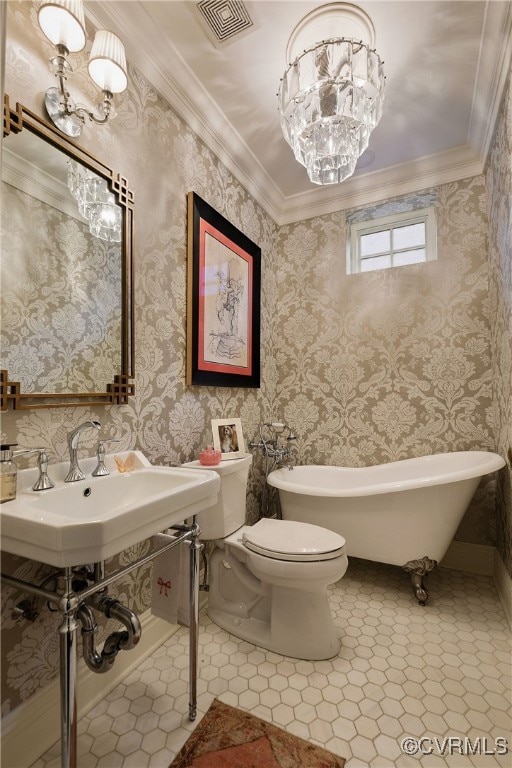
(275, 443)
(272, 447)
(75, 473)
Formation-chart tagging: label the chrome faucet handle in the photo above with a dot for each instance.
(43, 482)
(101, 470)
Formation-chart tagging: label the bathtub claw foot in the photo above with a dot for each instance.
(418, 569)
(419, 588)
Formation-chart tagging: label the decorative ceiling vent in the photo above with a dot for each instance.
(224, 19)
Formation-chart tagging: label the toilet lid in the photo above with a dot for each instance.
(290, 540)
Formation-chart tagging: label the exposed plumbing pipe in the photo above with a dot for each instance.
(271, 435)
(113, 609)
(204, 587)
(27, 609)
(89, 629)
(122, 640)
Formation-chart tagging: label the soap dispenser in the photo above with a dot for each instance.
(8, 473)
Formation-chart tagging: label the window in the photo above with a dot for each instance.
(392, 241)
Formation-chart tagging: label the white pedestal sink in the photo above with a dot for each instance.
(93, 519)
(90, 520)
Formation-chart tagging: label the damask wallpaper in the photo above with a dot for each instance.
(391, 364)
(499, 197)
(60, 326)
(366, 368)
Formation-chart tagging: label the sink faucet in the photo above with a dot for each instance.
(75, 473)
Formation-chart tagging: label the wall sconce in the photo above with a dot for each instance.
(63, 23)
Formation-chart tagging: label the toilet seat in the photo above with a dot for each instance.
(292, 541)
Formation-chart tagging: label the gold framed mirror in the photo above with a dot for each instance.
(67, 325)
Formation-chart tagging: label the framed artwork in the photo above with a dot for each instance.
(228, 438)
(223, 301)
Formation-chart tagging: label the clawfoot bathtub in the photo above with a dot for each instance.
(404, 513)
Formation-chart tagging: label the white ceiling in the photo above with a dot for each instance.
(445, 62)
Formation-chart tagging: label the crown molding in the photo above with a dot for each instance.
(491, 76)
(430, 171)
(169, 74)
(188, 97)
(33, 181)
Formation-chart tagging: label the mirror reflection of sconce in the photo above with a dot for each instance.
(95, 202)
(63, 23)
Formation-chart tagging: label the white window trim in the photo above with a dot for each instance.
(357, 229)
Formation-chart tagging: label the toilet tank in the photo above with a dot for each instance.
(228, 514)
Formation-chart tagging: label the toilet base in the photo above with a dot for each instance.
(253, 630)
(292, 622)
(258, 633)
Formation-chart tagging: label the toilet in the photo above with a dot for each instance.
(268, 581)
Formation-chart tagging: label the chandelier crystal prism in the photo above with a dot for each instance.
(330, 97)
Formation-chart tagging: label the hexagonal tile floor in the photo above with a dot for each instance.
(439, 675)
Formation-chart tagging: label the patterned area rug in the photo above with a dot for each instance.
(229, 738)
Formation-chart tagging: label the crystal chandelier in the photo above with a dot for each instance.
(331, 95)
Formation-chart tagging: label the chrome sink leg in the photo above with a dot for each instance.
(99, 570)
(195, 548)
(68, 669)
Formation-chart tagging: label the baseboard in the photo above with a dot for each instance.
(486, 561)
(474, 558)
(34, 726)
(503, 585)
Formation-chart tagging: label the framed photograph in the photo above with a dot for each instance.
(228, 438)
(223, 301)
